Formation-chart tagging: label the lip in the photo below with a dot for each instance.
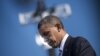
(48, 41)
(51, 43)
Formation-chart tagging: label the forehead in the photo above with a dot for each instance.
(45, 27)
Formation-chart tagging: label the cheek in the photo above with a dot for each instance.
(57, 37)
(54, 36)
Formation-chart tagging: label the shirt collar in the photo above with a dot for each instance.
(63, 41)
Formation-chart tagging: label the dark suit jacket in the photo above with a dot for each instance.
(78, 47)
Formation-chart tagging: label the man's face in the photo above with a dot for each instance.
(51, 35)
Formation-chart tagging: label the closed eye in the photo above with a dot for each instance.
(46, 33)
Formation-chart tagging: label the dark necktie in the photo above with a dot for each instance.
(60, 52)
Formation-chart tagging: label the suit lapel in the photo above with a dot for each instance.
(67, 46)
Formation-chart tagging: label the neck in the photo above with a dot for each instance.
(63, 33)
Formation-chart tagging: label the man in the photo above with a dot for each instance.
(52, 29)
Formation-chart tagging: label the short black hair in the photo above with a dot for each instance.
(52, 20)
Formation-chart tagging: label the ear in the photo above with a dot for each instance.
(58, 27)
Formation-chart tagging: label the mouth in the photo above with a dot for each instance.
(51, 42)
(48, 41)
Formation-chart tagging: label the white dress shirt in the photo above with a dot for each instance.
(63, 42)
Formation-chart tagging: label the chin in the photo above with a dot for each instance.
(54, 45)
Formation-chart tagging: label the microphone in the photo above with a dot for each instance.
(40, 41)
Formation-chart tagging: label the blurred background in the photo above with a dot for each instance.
(19, 40)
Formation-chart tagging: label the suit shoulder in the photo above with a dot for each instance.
(82, 46)
(81, 39)
(82, 43)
